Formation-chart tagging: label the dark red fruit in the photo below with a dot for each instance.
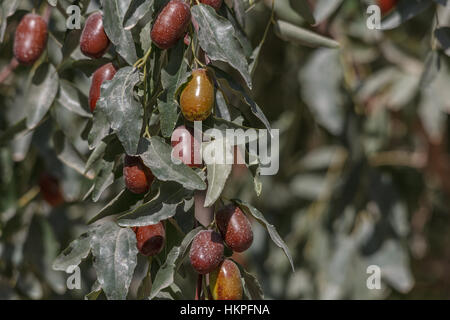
(206, 251)
(150, 239)
(386, 5)
(105, 72)
(30, 38)
(50, 189)
(216, 4)
(94, 42)
(188, 149)
(171, 24)
(138, 178)
(235, 228)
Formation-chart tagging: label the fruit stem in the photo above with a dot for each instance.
(6, 71)
(27, 197)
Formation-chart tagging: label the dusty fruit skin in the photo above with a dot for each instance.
(206, 251)
(30, 38)
(216, 4)
(235, 228)
(50, 189)
(197, 98)
(105, 72)
(184, 139)
(138, 178)
(150, 239)
(171, 24)
(225, 282)
(386, 5)
(93, 41)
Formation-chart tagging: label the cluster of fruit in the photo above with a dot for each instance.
(207, 252)
(196, 103)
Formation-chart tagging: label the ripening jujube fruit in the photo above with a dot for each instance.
(225, 282)
(150, 239)
(197, 98)
(30, 38)
(105, 72)
(184, 141)
(206, 251)
(171, 24)
(50, 189)
(235, 228)
(93, 41)
(216, 4)
(138, 178)
(386, 5)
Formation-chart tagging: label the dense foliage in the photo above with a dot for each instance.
(85, 149)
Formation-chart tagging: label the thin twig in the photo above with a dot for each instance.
(6, 71)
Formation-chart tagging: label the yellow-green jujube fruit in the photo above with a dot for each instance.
(225, 282)
(197, 98)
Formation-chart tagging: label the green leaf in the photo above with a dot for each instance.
(252, 288)
(7, 9)
(162, 207)
(95, 291)
(221, 106)
(137, 10)
(157, 155)
(113, 19)
(70, 156)
(303, 8)
(72, 99)
(321, 80)
(77, 250)
(115, 253)
(172, 77)
(100, 128)
(42, 92)
(247, 208)
(103, 180)
(295, 34)
(218, 168)
(120, 204)
(325, 8)
(165, 276)
(431, 69)
(7, 135)
(71, 42)
(216, 36)
(146, 41)
(405, 10)
(123, 112)
(226, 80)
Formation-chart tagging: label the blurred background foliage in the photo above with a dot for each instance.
(364, 173)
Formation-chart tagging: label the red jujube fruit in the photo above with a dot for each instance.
(138, 178)
(386, 5)
(105, 72)
(93, 41)
(150, 239)
(216, 4)
(50, 189)
(206, 251)
(171, 24)
(30, 38)
(235, 228)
